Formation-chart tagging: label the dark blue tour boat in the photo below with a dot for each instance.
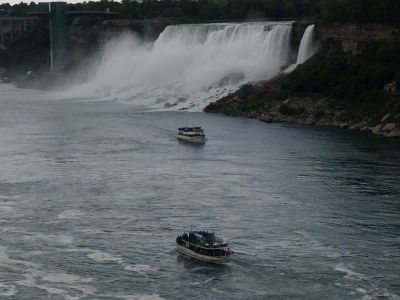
(204, 246)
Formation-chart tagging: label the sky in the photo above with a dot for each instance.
(28, 1)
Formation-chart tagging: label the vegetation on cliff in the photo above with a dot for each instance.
(186, 10)
(28, 51)
(350, 80)
(345, 11)
(361, 11)
(339, 90)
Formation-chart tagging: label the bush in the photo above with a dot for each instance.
(288, 110)
(347, 78)
(362, 11)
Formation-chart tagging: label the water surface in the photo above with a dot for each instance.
(93, 194)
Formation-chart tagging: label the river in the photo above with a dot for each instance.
(94, 193)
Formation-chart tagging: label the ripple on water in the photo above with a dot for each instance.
(68, 286)
(350, 274)
(7, 290)
(71, 214)
(141, 268)
(100, 256)
(9, 212)
(305, 216)
(138, 297)
(3, 257)
(49, 238)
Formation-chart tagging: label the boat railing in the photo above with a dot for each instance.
(204, 247)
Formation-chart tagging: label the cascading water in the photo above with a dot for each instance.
(307, 45)
(189, 65)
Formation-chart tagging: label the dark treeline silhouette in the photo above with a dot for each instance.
(362, 11)
(345, 11)
(190, 10)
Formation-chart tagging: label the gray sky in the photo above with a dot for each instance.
(36, 1)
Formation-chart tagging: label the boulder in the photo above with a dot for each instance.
(376, 129)
(393, 134)
(385, 117)
(388, 127)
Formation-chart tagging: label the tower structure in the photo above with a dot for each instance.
(58, 39)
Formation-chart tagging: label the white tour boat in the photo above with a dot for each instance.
(191, 135)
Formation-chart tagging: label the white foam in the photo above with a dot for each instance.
(50, 238)
(34, 276)
(71, 214)
(37, 278)
(14, 263)
(100, 256)
(200, 282)
(141, 269)
(4, 258)
(350, 274)
(217, 291)
(7, 290)
(139, 297)
(66, 278)
(7, 211)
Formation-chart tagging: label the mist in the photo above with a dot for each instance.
(188, 65)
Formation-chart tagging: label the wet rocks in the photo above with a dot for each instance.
(319, 111)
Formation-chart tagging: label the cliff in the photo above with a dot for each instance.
(342, 86)
(268, 103)
(84, 36)
(354, 39)
(86, 39)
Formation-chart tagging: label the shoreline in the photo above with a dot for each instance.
(315, 110)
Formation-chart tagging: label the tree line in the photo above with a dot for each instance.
(344, 11)
(188, 9)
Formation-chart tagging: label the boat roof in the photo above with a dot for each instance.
(196, 128)
(203, 239)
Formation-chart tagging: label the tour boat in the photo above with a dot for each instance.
(191, 135)
(204, 246)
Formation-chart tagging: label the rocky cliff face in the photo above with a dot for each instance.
(253, 101)
(298, 29)
(87, 37)
(271, 102)
(354, 39)
(85, 41)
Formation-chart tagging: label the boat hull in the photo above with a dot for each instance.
(193, 140)
(212, 259)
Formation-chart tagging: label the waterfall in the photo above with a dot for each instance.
(188, 65)
(308, 48)
(307, 45)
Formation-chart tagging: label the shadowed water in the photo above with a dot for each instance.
(93, 194)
